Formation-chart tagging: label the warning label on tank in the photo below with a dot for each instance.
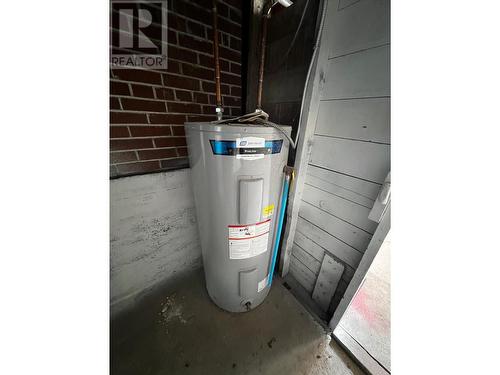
(268, 210)
(247, 241)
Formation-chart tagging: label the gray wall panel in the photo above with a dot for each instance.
(360, 191)
(307, 259)
(333, 245)
(302, 274)
(339, 207)
(369, 161)
(317, 252)
(365, 119)
(359, 75)
(359, 25)
(346, 142)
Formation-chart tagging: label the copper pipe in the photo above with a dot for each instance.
(218, 97)
(262, 58)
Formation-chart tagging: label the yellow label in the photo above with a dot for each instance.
(268, 210)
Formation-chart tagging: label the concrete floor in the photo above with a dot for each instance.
(178, 330)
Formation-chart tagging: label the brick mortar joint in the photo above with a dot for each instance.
(226, 18)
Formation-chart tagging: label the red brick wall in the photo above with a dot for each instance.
(148, 107)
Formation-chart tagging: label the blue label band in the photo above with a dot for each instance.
(229, 148)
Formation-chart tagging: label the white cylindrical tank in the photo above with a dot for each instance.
(237, 174)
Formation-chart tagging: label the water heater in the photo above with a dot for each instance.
(237, 174)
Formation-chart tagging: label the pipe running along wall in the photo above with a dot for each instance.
(219, 109)
(288, 178)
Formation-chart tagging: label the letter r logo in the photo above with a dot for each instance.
(138, 31)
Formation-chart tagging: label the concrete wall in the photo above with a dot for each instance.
(154, 235)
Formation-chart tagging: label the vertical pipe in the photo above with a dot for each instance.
(288, 171)
(219, 110)
(262, 59)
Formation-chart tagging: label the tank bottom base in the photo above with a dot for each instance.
(244, 305)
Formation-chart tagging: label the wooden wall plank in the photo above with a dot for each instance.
(370, 253)
(343, 209)
(317, 252)
(304, 297)
(345, 232)
(352, 188)
(369, 161)
(361, 74)
(307, 259)
(344, 151)
(302, 274)
(339, 191)
(359, 25)
(327, 281)
(347, 275)
(333, 245)
(343, 284)
(365, 119)
(339, 293)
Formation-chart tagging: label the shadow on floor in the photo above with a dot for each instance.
(178, 330)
